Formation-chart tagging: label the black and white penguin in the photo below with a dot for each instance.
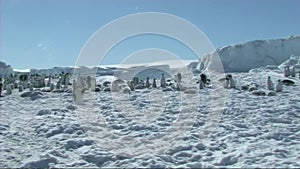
(279, 86)
(226, 83)
(20, 88)
(178, 77)
(147, 83)
(201, 84)
(293, 72)
(115, 86)
(231, 81)
(287, 71)
(1, 87)
(203, 78)
(270, 84)
(162, 81)
(154, 83)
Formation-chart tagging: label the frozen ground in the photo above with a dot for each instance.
(47, 130)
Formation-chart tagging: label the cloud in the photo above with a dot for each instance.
(42, 46)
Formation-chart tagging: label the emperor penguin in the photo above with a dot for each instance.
(115, 86)
(93, 84)
(226, 83)
(231, 82)
(154, 83)
(1, 86)
(20, 88)
(130, 84)
(201, 84)
(203, 78)
(57, 86)
(8, 89)
(31, 87)
(287, 71)
(49, 81)
(52, 86)
(270, 85)
(162, 81)
(293, 72)
(135, 81)
(147, 83)
(66, 80)
(178, 77)
(78, 92)
(279, 86)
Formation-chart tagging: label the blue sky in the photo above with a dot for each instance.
(48, 33)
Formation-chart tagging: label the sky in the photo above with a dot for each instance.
(48, 33)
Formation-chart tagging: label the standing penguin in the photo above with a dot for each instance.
(49, 81)
(226, 83)
(293, 72)
(178, 77)
(270, 84)
(8, 89)
(1, 86)
(203, 78)
(66, 80)
(287, 71)
(115, 86)
(154, 83)
(20, 88)
(279, 86)
(147, 83)
(162, 81)
(231, 81)
(201, 85)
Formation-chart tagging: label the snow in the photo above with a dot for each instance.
(244, 127)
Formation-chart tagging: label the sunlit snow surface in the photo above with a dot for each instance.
(250, 131)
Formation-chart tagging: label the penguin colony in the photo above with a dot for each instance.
(81, 84)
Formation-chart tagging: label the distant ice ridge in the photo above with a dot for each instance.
(253, 54)
(5, 69)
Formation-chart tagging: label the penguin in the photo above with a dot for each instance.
(49, 81)
(162, 81)
(147, 83)
(57, 85)
(136, 81)
(66, 80)
(293, 72)
(201, 84)
(286, 71)
(93, 84)
(226, 83)
(1, 86)
(8, 89)
(88, 81)
(279, 86)
(78, 92)
(20, 88)
(270, 85)
(115, 86)
(178, 77)
(154, 83)
(231, 81)
(203, 78)
(31, 87)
